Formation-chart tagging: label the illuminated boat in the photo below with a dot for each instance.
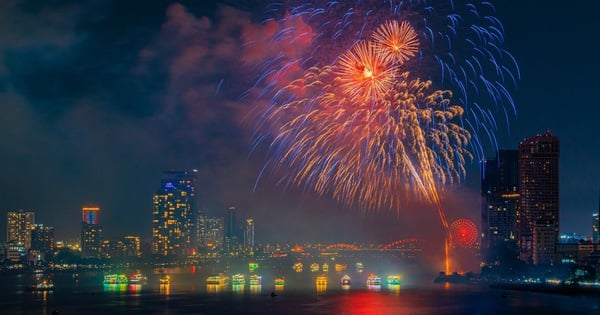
(340, 267)
(165, 279)
(314, 267)
(255, 280)
(393, 280)
(325, 267)
(279, 281)
(298, 267)
(373, 280)
(321, 280)
(359, 267)
(115, 279)
(252, 266)
(238, 279)
(217, 279)
(345, 280)
(42, 285)
(138, 278)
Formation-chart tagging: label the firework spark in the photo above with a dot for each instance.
(397, 42)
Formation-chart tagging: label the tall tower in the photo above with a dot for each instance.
(91, 232)
(18, 227)
(249, 236)
(596, 224)
(499, 208)
(231, 242)
(539, 198)
(174, 222)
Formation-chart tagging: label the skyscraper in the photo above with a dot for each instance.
(231, 242)
(500, 195)
(42, 238)
(211, 235)
(173, 225)
(249, 236)
(539, 198)
(91, 232)
(18, 227)
(596, 224)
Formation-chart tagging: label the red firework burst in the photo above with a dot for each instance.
(463, 232)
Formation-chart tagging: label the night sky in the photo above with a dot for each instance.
(99, 97)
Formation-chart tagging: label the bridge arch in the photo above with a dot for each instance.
(403, 242)
(342, 246)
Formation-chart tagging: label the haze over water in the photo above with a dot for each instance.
(188, 294)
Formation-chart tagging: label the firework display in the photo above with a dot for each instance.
(381, 104)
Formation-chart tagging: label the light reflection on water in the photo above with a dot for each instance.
(187, 295)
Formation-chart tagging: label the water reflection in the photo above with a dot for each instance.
(115, 287)
(215, 288)
(237, 288)
(279, 288)
(373, 287)
(321, 288)
(345, 287)
(394, 288)
(255, 289)
(165, 289)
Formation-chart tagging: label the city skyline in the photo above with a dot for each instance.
(77, 142)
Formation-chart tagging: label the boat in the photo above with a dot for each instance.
(345, 280)
(314, 267)
(115, 279)
(321, 280)
(42, 285)
(165, 279)
(217, 279)
(359, 267)
(340, 267)
(373, 280)
(393, 280)
(279, 281)
(255, 280)
(252, 266)
(325, 267)
(138, 278)
(298, 267)
(238, 279)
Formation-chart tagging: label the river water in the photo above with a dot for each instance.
(188, 294)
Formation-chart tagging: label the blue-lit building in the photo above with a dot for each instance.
(173, 225)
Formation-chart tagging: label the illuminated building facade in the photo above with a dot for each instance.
(231, 242)
(539, 198)
(249, 236)
(18, 227)
(211, 235)
(499, 208)
(42, 238)
(91, 233)
(173, 225)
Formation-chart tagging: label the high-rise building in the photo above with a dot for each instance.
(211, 234)
(18, 227)
(231, 242)
(42, 238)
(500, 195)
(91, 233)
(539, 198)
(596, 224)
(174, 222)
(249, 236)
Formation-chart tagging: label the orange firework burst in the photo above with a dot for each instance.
(396, 42)
(364, 74)
(369, 154)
